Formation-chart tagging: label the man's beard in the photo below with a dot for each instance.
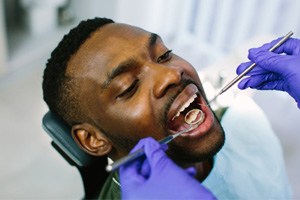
(121, 142)
(181, 154)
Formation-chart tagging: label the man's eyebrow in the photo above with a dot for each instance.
(123, 67)
(152, 39)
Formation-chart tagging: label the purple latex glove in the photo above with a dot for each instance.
(278, 70)
(158, 177)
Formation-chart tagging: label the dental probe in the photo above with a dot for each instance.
(239, 77)
(140, 152)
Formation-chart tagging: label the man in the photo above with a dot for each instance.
(115, 84)
(275, 71)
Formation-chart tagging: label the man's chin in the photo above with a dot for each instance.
(182, 157)
(210, 146)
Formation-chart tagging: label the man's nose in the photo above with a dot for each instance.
(165, 78)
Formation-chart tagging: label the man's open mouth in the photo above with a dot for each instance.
(186, 110)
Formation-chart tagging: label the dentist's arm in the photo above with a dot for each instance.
(156, 176)
(274, 71)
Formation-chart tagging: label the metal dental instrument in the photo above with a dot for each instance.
(239, 77)
(140, 152)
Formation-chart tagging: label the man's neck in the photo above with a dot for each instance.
(203, 169)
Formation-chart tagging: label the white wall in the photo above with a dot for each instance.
(84, 9)
(152, 15)
(217, 26)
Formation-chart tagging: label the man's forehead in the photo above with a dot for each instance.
(120, 30)
(106, 46)
(92, 49)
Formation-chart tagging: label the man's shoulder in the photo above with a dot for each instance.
(245, 120)
(111, 189)
(251, 164)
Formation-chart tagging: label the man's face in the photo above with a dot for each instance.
(132, 86)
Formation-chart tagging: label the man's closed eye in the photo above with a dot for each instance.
(165, 57)
(130, 90)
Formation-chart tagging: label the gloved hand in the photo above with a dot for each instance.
(274, 71)
(158, 177)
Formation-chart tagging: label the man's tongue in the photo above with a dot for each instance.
(178, 124)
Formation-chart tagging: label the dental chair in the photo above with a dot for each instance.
(91, 168)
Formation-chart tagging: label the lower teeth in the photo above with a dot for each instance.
(192, 117)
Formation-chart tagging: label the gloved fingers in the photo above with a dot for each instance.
(255, 71)
(139, 145)
(164, 147)
(191, 171)
(290, 47)
(130, 173)
(148, 140)
(262, 82)
(206, 193)
(150, 146)
(132, 170)
(281, 64)
(266, 46)
(253, 51)
(242, 67)
(151, 149)
(155, 154)
(145, 169)
(243, 84)
(270, 61)
(279, 85)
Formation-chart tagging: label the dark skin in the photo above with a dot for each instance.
(140, 98)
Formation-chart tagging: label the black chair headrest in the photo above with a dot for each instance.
(60, 133)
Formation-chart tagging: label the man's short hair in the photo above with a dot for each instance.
(58, 88)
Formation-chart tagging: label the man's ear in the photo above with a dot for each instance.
(91, 139)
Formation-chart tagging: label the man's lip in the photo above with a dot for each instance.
(181, 99)
(203, 127)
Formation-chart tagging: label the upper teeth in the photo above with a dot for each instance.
(185, 105)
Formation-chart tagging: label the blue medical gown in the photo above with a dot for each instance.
(251, 164)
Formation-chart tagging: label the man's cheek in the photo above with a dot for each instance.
(193, 74)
